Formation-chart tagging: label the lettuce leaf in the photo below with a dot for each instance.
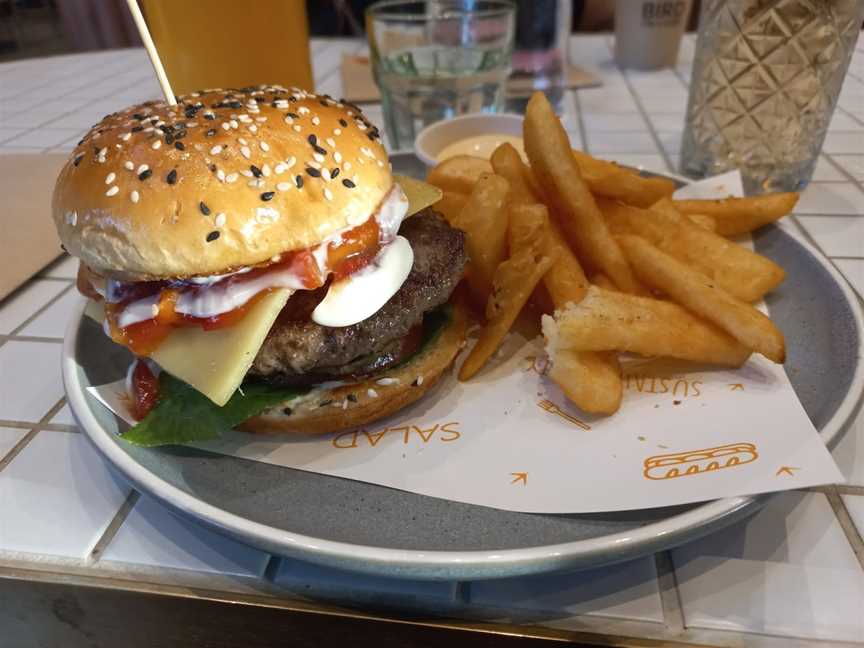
(184, 415)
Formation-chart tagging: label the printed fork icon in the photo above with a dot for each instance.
(552, 408)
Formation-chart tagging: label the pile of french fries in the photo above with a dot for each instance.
(665, 281)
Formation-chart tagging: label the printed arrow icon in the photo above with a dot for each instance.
(785, 470)
(520, 476)
(736, 387)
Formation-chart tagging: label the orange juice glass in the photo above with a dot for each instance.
(230, 44)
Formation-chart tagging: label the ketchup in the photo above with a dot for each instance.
(145, 391)
(354, 250)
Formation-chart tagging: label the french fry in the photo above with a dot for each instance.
(602, 281)
(513, 283)
(552, 162)
(592, 380)
(740, 272)
(484, 221)
(565, 281)
(699, 294)
(613, 321)
(704, 221)
(451, 204)
(741, 215)
(458, 173)
(612, 181)
(508, 164)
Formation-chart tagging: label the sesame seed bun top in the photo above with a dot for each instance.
(224, 179)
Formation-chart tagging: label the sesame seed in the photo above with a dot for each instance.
(211, 132)
(253, 129)
(334, 173)
(220, 175)
(242, 141)
(264, 146)
(343, 123)
(234, 124)
(299, 181)
(297, 128)
(280, 168)
(244, 150)
(365, 151)
(78, 159)
(266, 170)
(226, 126)
(212, 236)
(288, 120)
(290, 162)
(220, 219)
(325, 174)
(331, 142)
(313, 164)
(204, 208)
(371, 393)
(255, 171)
(328, 194)
(231, 177)
(387, 381)
(267, 195)
(337, 132)
(419, 380)
(283, 186)
(347, 165)
(171, 178)
(110, 178)
(156, 145)
(128, 165)
(303, 110)
(216, 150)
(316, 121)
(125, 136)
(146, 173)
(112, 191)
(348, 183)
(315, 173)
(102, 152)
(134, 196)
(338, 157)
(312, 139)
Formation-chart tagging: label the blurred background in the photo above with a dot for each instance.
(30, 28)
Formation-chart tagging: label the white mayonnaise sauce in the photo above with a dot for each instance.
(363, 293)
(213, 299)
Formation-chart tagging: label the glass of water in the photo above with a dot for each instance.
(436, 59)
(765, 81)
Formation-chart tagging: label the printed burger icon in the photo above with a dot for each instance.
(693, 462)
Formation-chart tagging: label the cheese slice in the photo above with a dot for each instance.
(215, 362)
(420, 194)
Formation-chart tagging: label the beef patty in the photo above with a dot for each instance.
(299, 351)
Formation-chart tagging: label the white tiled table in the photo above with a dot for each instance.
(792, 575)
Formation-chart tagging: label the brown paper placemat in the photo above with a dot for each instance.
(358, 84)
(29, 241)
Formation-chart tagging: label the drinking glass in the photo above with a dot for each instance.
(437, 59)
(223, 44)
(765, 81)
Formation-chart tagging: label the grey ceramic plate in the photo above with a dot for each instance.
(378, 530)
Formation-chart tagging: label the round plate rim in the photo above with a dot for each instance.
(449, 565)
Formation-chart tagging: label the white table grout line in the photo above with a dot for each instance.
(670, 596)
(113, 527)
(35, 428)
(13, 334)
(844, 519)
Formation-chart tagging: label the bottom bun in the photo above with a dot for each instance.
(355, 404)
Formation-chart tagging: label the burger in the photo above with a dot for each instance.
(254, 251)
